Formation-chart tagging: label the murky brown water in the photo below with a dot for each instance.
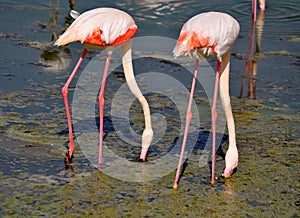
(34, 135)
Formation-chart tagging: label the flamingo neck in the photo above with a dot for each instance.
(132, 84)
(225, 63)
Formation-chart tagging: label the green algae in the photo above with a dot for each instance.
(34, 182)
(267, 189)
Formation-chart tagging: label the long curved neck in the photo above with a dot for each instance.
(130, 79)
(225, 63)
(128, 69)
(225, 97)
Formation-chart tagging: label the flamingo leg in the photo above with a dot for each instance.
(214, 123)
(252, 38)
(69, 154)
(254, 10)
(187, 124)
(101, 106)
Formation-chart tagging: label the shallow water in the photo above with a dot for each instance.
(34, 128)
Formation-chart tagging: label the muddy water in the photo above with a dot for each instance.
(34, 132)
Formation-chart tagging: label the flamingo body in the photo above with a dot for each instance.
(205, 34)
(106, 27)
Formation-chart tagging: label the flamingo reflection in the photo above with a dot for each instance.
(251, 65)
(53, 58)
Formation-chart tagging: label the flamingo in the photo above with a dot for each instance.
(262, 6)
(205, 34)
(109, 29)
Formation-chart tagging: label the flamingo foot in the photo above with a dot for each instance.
(68, 161)
(175, 186)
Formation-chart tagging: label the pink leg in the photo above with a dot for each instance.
(252, 38)
(101, 106)
(254, 10)
(187, 124)
(69, 155)
(214, 123)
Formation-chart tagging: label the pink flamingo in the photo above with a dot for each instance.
(262, 6)
(109, 29)
(205, 34)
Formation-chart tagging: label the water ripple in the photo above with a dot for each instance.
(277, 11)
(280, 18)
